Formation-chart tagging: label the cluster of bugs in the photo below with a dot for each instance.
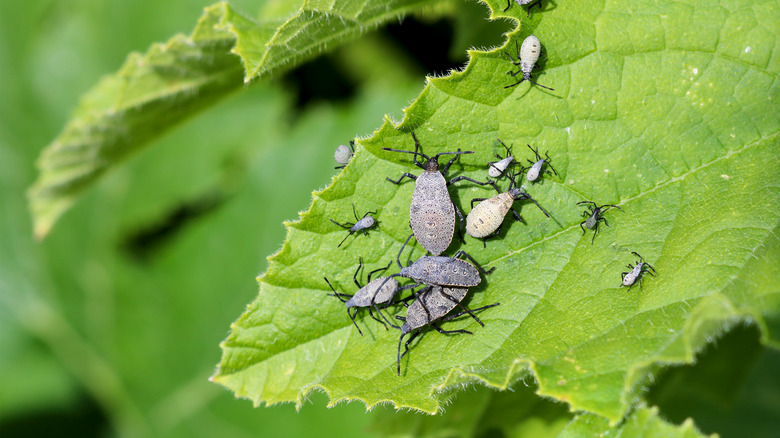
(440, 283)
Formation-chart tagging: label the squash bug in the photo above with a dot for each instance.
(432, 212)
(362, 224)
(527, 55)
(498, 168)
(485, 220)
(629, 278)
(376, 292)
(343, 154)
(433, 304)
(535, 169)
(594, 214)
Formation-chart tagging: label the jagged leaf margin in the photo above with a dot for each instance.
(665, 108)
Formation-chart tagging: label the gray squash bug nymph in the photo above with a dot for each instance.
(527, 55)
(498, 168)
(629, 278)
(432, 213)
(343, 154)
(523, 3)
(594, 215)
(535, 169)
(377, 291)
(362, 224)
(485, 220)
(433, 304)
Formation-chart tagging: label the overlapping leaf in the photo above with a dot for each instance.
(156, 90)
(668, 109)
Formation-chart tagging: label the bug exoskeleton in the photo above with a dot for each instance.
(440, 271)
(594, 216)
(343, 154)
(498, 168)
(523, 3)
(362, 224)
(433, 304)
(635, 273)
(527, 55)
(485, 220)
(378, 291)
(432, 213)
(536, 167)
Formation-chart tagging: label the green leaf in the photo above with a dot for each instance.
(644, 422)
(152, 92)
(667, 109)
(478, 412)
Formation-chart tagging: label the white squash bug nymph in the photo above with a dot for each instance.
(343, 154)
(523, 3)
(360, 224)
(527, 55)
(629, 278)
(536, 166)
(498, 168)
(485, 220)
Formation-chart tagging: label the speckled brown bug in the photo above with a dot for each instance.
(433, 303)
(432, 212)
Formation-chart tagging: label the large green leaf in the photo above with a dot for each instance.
(152, 92)
(668, 109)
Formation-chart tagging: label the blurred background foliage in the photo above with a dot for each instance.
(110, 327)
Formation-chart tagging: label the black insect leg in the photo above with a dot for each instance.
(405, 175)
(398, 258)
(378, 270)
(450, 332)
(595, 231)
(374, 316)
(539, 85)
(515, 84)
(352, 317)
(516, 216)
(345, 238)
(528, 197)
(508, 5)
(465, 309)
(461, 178)
(446, 167)
(464, 253)
(406, 347)
(476, 200)
(582, 228)
(461, 223)
(357, 272)
(347, 226)
(338, 295)
(459, 314)
(384, 317)
(517, 51)
(536, 3)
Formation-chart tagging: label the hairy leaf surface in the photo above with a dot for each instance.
(667, 109)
